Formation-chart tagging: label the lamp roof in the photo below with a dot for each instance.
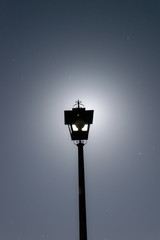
(71, 116)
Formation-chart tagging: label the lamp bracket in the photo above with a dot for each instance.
(84, 142)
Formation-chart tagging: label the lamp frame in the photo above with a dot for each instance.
(71, 116)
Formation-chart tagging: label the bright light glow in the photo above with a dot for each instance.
(85, 128)
(74, 128)
(114, 111)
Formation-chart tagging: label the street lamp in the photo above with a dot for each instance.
(78, 121)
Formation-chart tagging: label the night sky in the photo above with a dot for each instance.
(106, 54)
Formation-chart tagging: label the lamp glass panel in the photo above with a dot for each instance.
(85, 128)
(74, 127)
(70, 129)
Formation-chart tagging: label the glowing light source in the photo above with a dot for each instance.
(84, 128)
(80, 124)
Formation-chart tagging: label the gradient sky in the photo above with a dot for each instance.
(107, 54)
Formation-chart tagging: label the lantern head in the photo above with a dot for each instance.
(78, 121)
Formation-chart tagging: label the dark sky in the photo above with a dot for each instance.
(107, 54)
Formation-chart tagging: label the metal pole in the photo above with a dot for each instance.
(82, 200)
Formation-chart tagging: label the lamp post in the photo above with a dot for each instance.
(78, 121)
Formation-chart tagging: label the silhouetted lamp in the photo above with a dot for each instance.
(78, 121)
